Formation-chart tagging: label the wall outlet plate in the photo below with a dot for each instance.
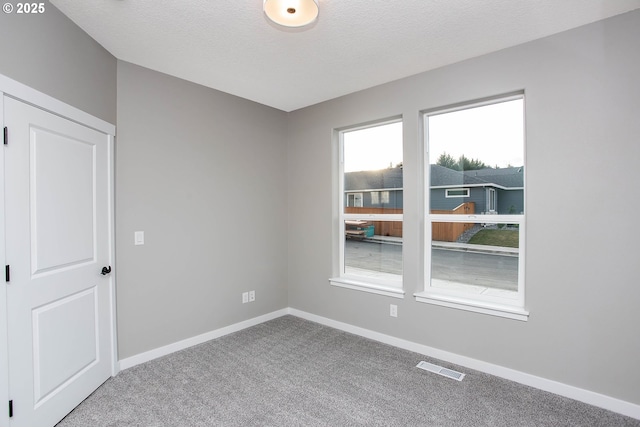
(252, 296)
(245, 297)
(393, 310)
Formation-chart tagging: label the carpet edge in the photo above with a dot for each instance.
(619, 406)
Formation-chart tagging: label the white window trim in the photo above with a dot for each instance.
(448, 196)
(492, 198)
(387, 287)
(368, 286)
(466, 304)
(491, 305)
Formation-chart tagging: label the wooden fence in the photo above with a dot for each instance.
(441, 231)
(450, 231)
(380, 228)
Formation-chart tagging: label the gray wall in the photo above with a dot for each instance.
(440, 201)
(582, 269)
(202, 173)
(53, 55)
(510, 201)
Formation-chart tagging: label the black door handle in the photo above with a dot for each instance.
(106, 270)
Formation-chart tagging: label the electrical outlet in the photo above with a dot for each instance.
(245, 297)
(252, 296)
(393, 310)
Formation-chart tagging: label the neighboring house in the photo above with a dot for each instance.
(499, 191)
(374, 189)
(494, 191)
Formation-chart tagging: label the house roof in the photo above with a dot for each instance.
(512, 177)
(441, 176)
(373, 179)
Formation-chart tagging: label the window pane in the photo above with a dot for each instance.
(477, 258)
(463, 192)
(373, 167)
(385, 198)
(373, 249)
(354, 200)
(375, 198)
(480, 149)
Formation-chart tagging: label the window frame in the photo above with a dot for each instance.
(492, 196)
(390, 288)
(449, 196)
(512, 308)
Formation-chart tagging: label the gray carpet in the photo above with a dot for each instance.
(292, 372)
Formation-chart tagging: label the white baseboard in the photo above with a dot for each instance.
(592, 398)
(582, 395)
(190, 342)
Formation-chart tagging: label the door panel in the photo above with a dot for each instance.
(63, 180)
(64, 341)
(57, 241)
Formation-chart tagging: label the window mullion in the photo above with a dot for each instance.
(372, 217)
(479, 219)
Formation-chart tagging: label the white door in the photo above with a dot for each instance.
(57, 242)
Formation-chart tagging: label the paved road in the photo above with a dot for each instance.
(490, 270)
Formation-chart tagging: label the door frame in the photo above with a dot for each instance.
(45, 102)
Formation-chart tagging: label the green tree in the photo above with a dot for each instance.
(462, 164)
(447, 161)
(466, 164)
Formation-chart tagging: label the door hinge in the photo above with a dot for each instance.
(6, 136)
(7, 273)
(10, 408)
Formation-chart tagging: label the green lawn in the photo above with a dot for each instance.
(491, 237)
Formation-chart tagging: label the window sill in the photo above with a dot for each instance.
(386, 290)
(459, 303)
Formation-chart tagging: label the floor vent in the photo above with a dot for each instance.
(441, 371)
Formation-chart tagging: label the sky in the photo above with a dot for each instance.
(373, 148)
(493, 134)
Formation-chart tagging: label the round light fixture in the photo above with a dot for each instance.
(291, 13)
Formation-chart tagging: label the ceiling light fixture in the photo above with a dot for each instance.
(291, 13)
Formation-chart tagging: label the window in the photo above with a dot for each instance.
(474, 260)
(354, 200)
(375, 197)
(491, 202)
(456, 192)
(384, 195)
(369, 228)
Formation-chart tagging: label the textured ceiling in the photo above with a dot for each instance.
(231, 46)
